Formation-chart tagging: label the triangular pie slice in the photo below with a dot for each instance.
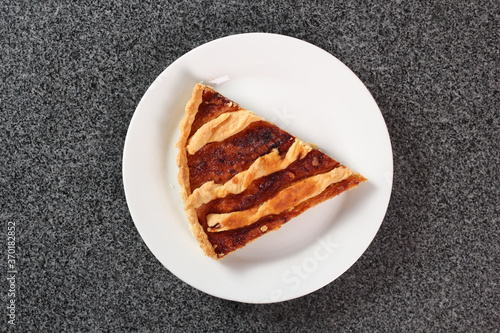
(242, 176)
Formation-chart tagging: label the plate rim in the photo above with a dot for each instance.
(146, 95)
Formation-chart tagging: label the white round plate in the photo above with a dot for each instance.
(307, 92)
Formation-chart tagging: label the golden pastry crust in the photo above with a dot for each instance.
(286, 199)
(183, 175)
(221, 128)
(262, 166)
(242, 176)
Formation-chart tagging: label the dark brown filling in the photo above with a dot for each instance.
(225, 242)
(264, 188)
(213, 105)
(220, 161)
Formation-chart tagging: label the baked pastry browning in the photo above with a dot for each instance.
(242, 176)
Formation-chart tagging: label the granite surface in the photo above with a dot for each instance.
(72, 74)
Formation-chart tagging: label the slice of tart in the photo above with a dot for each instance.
(242, 176)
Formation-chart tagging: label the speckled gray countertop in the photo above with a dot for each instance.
(72, 75)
